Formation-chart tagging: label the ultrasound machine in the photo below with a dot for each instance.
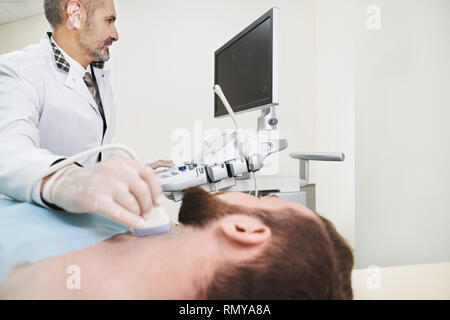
(246, 75)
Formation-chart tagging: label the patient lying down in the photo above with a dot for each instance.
(228, 246)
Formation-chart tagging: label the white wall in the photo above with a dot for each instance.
(335, 113)
(19, 34)
(403, 133)
(383, 98)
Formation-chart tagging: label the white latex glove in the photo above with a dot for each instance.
(119, 188)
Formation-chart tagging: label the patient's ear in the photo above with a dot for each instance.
(245, 230)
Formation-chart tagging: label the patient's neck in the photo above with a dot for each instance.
(124, 267)
(162, 267)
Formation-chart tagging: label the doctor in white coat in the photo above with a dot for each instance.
(56, 101)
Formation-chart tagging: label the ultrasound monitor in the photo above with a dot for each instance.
(246, 67)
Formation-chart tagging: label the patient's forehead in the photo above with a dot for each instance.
(270, 202)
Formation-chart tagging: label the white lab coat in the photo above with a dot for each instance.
(46, 114)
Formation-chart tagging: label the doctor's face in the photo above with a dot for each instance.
(100, 31)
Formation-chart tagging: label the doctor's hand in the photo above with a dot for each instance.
(119, 188)
(161, 164)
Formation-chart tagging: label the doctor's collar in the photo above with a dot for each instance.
(61, 61)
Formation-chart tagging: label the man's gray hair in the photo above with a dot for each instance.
(54, 9)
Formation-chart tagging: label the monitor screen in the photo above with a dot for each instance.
(244, 68)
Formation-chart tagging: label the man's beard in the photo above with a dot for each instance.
(200, 208)
(95, 47)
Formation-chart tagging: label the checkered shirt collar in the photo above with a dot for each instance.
(62, 63)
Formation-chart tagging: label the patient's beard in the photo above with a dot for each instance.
(200, 208)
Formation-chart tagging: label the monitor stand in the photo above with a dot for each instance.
(267, 120)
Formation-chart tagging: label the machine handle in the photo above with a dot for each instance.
(318, 156)
(305, 157)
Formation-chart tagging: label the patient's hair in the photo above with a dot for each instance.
(306, 259)
(344, 256)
